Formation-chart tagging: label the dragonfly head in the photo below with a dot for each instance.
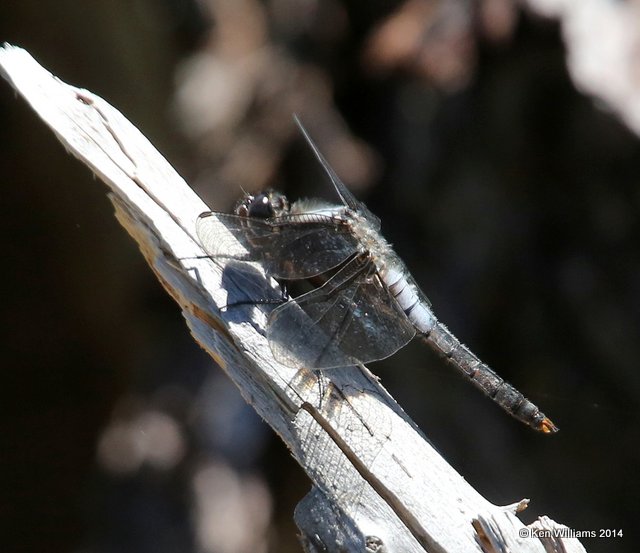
(263, 206)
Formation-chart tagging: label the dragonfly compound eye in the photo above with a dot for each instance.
(260, 207)
(255, 206)
(265, 206)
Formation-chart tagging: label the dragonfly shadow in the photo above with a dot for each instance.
(247, 288)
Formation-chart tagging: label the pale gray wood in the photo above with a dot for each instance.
(378, 483)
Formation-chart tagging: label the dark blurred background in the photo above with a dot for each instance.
(513, 198)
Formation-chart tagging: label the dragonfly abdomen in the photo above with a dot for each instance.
(409, 298)
(484, 378)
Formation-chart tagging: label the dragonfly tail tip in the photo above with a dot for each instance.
(546, 426)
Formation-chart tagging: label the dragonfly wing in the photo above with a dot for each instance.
(351, 319)
(346, 196)
(289, 247)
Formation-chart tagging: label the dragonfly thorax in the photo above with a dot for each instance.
(371, 241)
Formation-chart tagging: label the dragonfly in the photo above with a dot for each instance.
(364, 304)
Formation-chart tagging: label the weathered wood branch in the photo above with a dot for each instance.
(377, 481)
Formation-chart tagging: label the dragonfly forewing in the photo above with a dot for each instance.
(293, 247)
